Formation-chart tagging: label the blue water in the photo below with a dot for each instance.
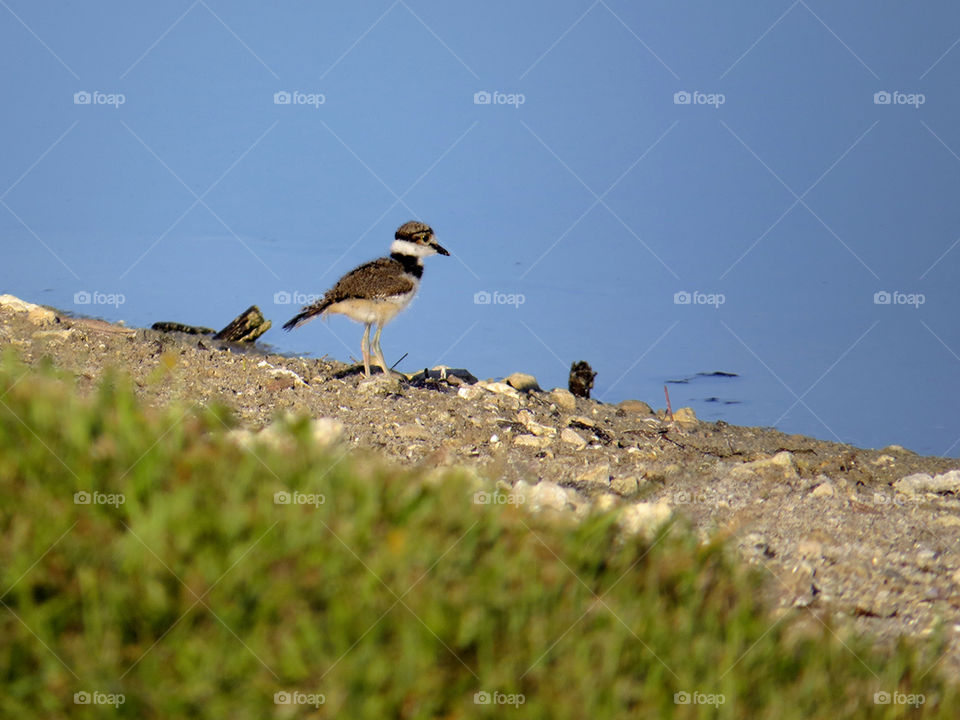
(588, 198)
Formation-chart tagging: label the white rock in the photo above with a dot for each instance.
(500, 388)
(547, 495)
(522, 382)
(35, 314)
(924, 483)
(574, 438)
(824, 489)
(525, 418)
(563, 399)
(531, 441)
(644, 517)
(326, 430)
(470, 392)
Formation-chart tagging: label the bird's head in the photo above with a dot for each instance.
(416, 239)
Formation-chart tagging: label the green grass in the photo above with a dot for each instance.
(200, 597)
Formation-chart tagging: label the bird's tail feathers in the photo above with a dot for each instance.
(306, 314)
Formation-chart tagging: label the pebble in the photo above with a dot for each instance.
(545, 495)
(625, 484)
(525, 418)
(780, 465)
(412, 431)
(470, 392)
(574, 438)
(531, 441)
(636, 406)
(499, 387)
(598, 475)
(644, 517)
(522, 382)
(326, 430)
(824, 489)
(563, 399)
(686, 418)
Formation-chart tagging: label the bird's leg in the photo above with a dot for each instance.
(378, 352)
(365, 349)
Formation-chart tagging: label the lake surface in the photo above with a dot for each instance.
(667, 193)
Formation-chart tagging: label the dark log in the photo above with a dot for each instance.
(246, 327)
(179, 327)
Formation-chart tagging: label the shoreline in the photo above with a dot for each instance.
(863, 538)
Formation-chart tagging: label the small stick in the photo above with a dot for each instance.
(399, 361)
(666, 394)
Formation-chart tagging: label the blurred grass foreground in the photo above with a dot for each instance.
(151, 567)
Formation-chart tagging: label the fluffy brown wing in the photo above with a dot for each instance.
(376, 279)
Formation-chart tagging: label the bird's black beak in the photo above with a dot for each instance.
(439, 248)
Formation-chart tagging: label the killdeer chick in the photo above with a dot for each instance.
(376, 291)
